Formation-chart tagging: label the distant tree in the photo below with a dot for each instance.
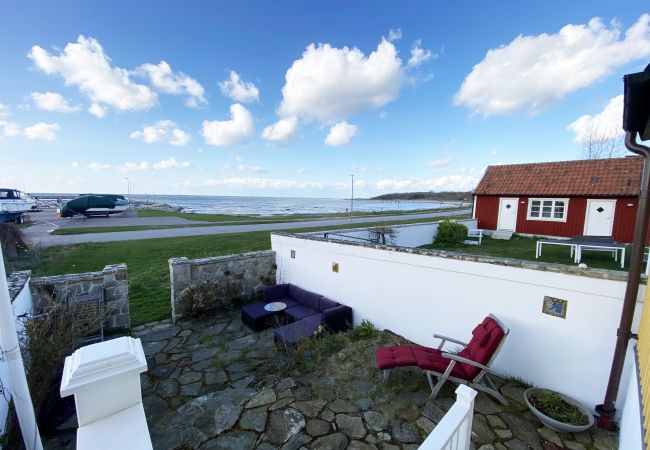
(599, 142)
(383, 234)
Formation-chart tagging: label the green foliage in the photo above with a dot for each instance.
(365, 330)
(451, 233)
(552, 405)
(196, 301)
(12, 240)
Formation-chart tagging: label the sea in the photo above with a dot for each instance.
(267, 206)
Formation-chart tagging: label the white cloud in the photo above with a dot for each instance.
(494, 152)
(163, 130)
(340, 134)
(98, 167)
(264, 183)
(132, 167)
(74, 165)
(254, 169)
(239, 90)
(224, 133)
(163, 78)
(533, 72)
(85, 65)
(282, 132)
(394, 34)
(328, 84)
(4, 110)
(606, 124)
(446, 182)
(97, 110)
(442, 162)
(10, 129)
(52, 101)
(419, 55)
(42, 130)
(171, 163)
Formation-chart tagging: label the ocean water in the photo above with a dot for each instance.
(206, 204)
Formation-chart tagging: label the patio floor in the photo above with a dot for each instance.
(215, 384)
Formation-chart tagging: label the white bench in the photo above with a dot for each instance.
(475, 233)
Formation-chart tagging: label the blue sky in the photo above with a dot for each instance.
(290, 98)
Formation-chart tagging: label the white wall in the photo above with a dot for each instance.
(412, 235)
(416, 295)
(631, 430)
(22, 304)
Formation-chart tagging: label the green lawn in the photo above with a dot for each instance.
(147, 261)
(524, 248)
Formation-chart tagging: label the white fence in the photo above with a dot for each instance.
(416, 295)
(412, 235)
(454, 431)
(22, 304)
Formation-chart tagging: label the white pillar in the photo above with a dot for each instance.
(18, 382)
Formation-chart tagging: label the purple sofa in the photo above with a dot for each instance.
(306, 311)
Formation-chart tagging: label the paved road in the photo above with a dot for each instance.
(38, 233)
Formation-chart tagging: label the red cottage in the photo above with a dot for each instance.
(597, 197)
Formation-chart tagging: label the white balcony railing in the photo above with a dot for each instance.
(454, 431)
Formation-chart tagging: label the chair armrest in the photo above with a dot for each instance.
(338, 318)
(460, 359)
(275, 292)
(446, 338)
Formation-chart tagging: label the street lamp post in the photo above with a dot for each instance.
(352, 196)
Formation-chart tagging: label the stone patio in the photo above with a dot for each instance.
(215, 384)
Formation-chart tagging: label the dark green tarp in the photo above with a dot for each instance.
(81, 204)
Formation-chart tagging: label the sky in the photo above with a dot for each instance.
(291, 98)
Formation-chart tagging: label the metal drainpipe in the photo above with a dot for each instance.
(608, 409)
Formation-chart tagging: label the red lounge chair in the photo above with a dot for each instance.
(470, 366)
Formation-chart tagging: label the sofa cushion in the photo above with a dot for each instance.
(299, 312)
(305, 297)
(255, 316)
(326, 303)
(291, 334)
(275, 292)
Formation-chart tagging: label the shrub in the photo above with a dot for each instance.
(365, 330)
(450, 233)
(13, 240)
(195, 301)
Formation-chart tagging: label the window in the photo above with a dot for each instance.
(548, 209)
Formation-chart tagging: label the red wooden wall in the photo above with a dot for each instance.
(487, 213)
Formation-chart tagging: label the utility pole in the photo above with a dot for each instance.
(352, 196)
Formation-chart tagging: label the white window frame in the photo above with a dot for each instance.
(548, 219)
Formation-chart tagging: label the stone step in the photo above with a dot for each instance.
(502, 234)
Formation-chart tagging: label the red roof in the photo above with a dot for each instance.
(615, 177)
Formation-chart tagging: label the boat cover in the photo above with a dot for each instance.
(83, 203)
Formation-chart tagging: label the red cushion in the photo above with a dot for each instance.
(487, 337)
(432, 359)
(397, 356)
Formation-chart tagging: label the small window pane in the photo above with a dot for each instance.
(548, 203)
(558, 214)
(559, 204)
(535, 203)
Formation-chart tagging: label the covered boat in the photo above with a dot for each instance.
(95, 205)
(13, 204)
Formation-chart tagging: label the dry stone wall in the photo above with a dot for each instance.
(240, 277)
(112, 281)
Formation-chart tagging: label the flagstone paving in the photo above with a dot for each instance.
(215, 384)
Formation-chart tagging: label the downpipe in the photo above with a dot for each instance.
(607, 410)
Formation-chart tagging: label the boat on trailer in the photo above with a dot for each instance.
(95, 205)
(13, 204)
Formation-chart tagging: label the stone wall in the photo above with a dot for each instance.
(239, 277)
(112, 281)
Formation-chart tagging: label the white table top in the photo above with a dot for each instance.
(275, 306)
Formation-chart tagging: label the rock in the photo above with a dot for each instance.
(336, 441)
(496, 422)
(503, 434)
(604, 440)
(153, 406)
(191, 390)
(202, 353)
(193, 437)
(351, 426)
(342, 406)
(383, 436)
(358, 445)
(522, 429)
(370, 439)
(327, 415)
(516, 444)
(310, 408)
(405, 432)
(263, 398)
(514, 392)
(386, 446)
(203, 365)
(215, 377)
(284, 424)
(167, 388)
(242, 342)
(433, 412)
(253, 419)
(189, 377)
(426, 425)
(216, 412)
(316, 427)
(281, 403)
(237, 367)
(574, 445)
(184, 333)
(159, 334)
(237, 440)
(284, 384)
(244, 382)
(302, 393)
(480, 430)
(163, 371)
(375, 421)
(408, 412)
(296, 442)
(486, 447)
(549, 435)
(212, 330)
(485, 405)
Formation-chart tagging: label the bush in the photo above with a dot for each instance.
(365, 330)
(198, 300)
(13, 240)
(450, 233)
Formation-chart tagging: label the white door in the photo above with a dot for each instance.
(599, 219)
(508, 214)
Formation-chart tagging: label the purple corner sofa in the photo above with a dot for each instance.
(306, 311)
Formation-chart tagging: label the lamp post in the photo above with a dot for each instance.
(352, 196)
